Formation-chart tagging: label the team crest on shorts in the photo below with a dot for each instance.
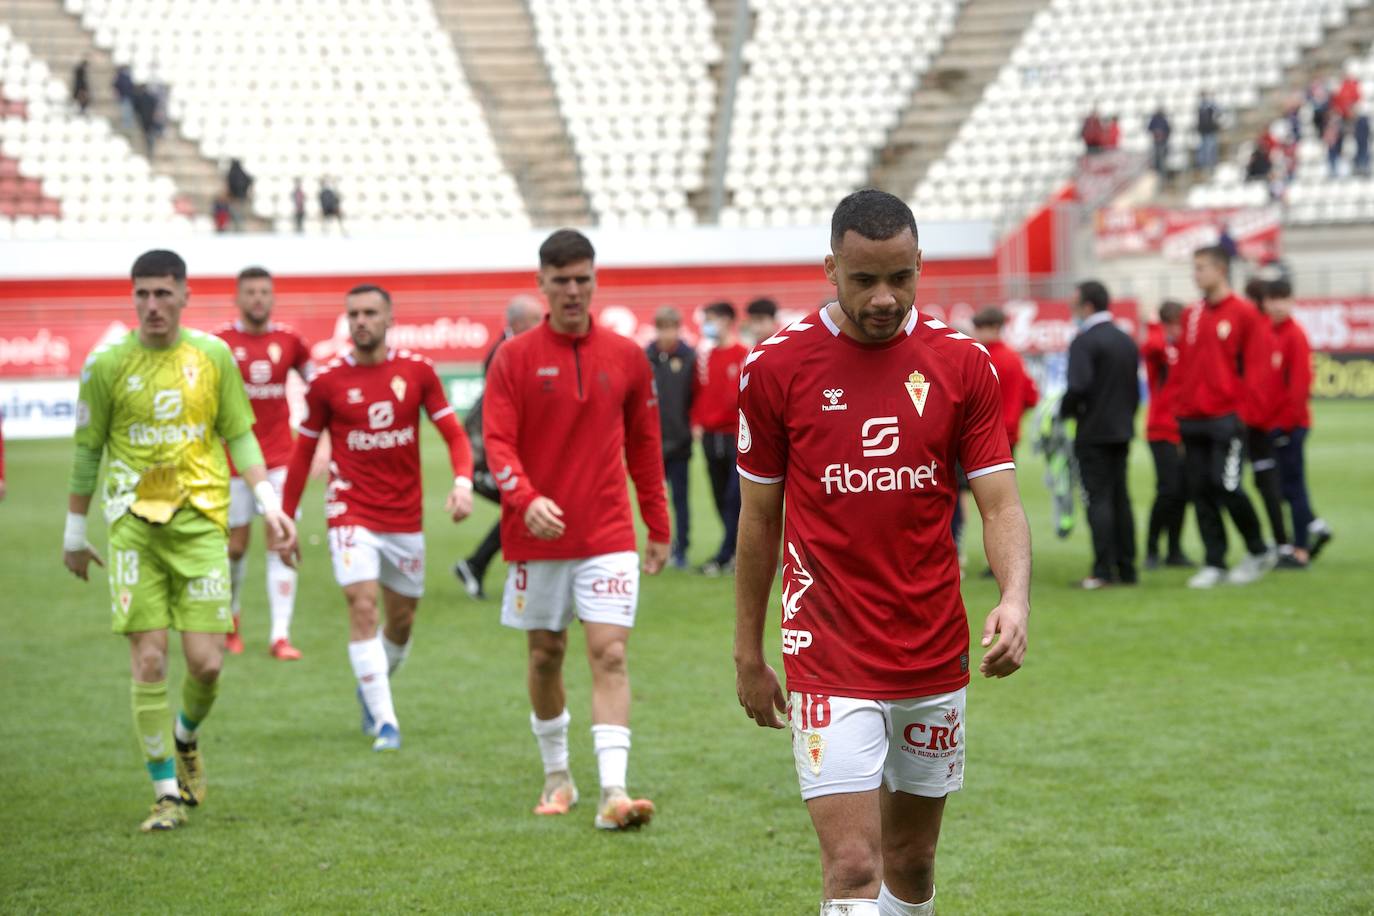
(126, 598)
(519, 604)
(815, 752)
(918, 388)
(398, 387)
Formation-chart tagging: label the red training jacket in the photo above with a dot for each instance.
(715, 407)
(1160, 357)
(1019, 393)
(1291, 379)
(1223, 350)
(562, 416)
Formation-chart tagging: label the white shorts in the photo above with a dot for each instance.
(543, 594)
(242, 505)
(396, 559)
(843, 744)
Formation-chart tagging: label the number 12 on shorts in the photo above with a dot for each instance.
(813, 710)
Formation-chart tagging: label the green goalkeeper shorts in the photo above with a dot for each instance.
(172, 576)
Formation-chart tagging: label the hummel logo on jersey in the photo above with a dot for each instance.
(919, 389)
(833, 395)
(380, 414)
(546, 372)
(355, 395)
(876, 435)
(135, 382)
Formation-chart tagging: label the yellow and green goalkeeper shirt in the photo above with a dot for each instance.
(160, 415)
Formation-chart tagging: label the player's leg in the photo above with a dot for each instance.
(281, 591)
(1265, 469)
(242, 509)
(1158, 508)
(204, 661)
(356, 556)
(1177, 505)
(1232, 454)
(911, 830)
(1122, 517)
(677, 471)
(718, 471)
(1201, 451)
(1095, 468)
(396, 628)
(472, 569)
(402, 577)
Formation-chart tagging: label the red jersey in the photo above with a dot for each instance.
(264, 360)
(1160, 356)
(1223, 350)
(562, 417)
(1291, 380)
(715, 405)
(373, 417)
(1019, 393)
(864, 439)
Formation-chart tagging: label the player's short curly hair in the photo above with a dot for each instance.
(564, 247)
(873, 214)
(159, 263)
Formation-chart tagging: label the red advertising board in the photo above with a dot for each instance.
(1176, 234)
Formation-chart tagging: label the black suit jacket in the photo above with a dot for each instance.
(1104, 386)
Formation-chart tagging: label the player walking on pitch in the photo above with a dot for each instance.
(158, 403)
(369, 399)
(265, 352)
(856, 415)
(568, 406)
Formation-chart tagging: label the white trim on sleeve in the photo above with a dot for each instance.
(756, 478)
(441, 414)
(308, 433)
(983, 472)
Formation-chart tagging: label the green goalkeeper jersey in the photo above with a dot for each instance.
(160, 415)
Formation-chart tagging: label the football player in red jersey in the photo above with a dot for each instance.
(855, 417)
(369, 399)
(266, 352)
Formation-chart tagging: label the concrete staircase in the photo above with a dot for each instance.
(985, 33)
(725, 13)
(58, 38)
(496, 48)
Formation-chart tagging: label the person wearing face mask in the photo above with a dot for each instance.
(715, 421)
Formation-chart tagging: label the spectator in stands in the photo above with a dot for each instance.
(1094, 133)
(715, 420)
(81, 85)
(239, 185)
(1160, 354)
(1319, 97)
(1102, 395)
(331, 207)
(220, 213)
(1334, 139)
(1208, 126)
(124, 93)
(1112, 133)
(1292, 114)
(145, 109)
(1347, 97)
(1259, 165)
(1019, 393)
(1160, 130)
(1360, 133)
(675, 373)
(298, 206)
(761, 320)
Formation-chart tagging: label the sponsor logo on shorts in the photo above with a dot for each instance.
(618, 586)
(213, 587)
(794, 641)
(362, 441)
(933, 741)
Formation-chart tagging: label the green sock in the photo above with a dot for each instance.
(196, 699)
(152, 723)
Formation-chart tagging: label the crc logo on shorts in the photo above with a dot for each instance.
(167, 404)
(260, 372)
(933, 741)
(617, 586)
(880, 437)
(213, 587)
(380, 414)
(746, 439)
(833, 396)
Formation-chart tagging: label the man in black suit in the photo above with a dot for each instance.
(1102, 397)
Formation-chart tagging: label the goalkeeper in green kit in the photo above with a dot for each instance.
(162, 404)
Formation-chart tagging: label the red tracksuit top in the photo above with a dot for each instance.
(563, 417)
(1224, 349)
(1019, 393)
(1291, 381)
(1160, 357)
(715, 408)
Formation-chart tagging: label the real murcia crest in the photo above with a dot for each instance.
(398, 387)
(191, 373)
(815, 752)
(919, 389)
(274, 352)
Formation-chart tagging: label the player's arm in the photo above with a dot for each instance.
(1006, 540)
(459, 502)
(92, 428)
(756, 562)
(644, 456)
(312, 429)
(500, 434)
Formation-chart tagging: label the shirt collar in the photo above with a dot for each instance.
(1094, 320)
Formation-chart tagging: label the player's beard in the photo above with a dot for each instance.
(369, 345)
(877, 335)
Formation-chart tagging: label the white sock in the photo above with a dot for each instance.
(164, 788)
(281, 595)
(850, 906)
(552, 735)
(889, 905)
(369, 666)
(181, 732)
(395, 654)
(237, 569)
(612, 744)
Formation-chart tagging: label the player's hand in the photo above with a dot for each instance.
(459, 502)
(544, 519)
(2, 489)
(655, 557)
(760, 693)
(281, 536)
(78, 561)
(1007, 623)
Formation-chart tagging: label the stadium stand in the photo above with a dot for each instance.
(633, 84)
(370, 95)
(62, 175)
(825, 82)
(1022, 139)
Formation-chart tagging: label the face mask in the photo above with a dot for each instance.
(711, 331)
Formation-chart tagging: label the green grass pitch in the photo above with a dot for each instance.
(1163, 751)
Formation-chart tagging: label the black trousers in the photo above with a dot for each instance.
(676, 470)
(1102, 468)
(1213, 457)
(1264, 466)
(720, 467)
(1171, 499)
